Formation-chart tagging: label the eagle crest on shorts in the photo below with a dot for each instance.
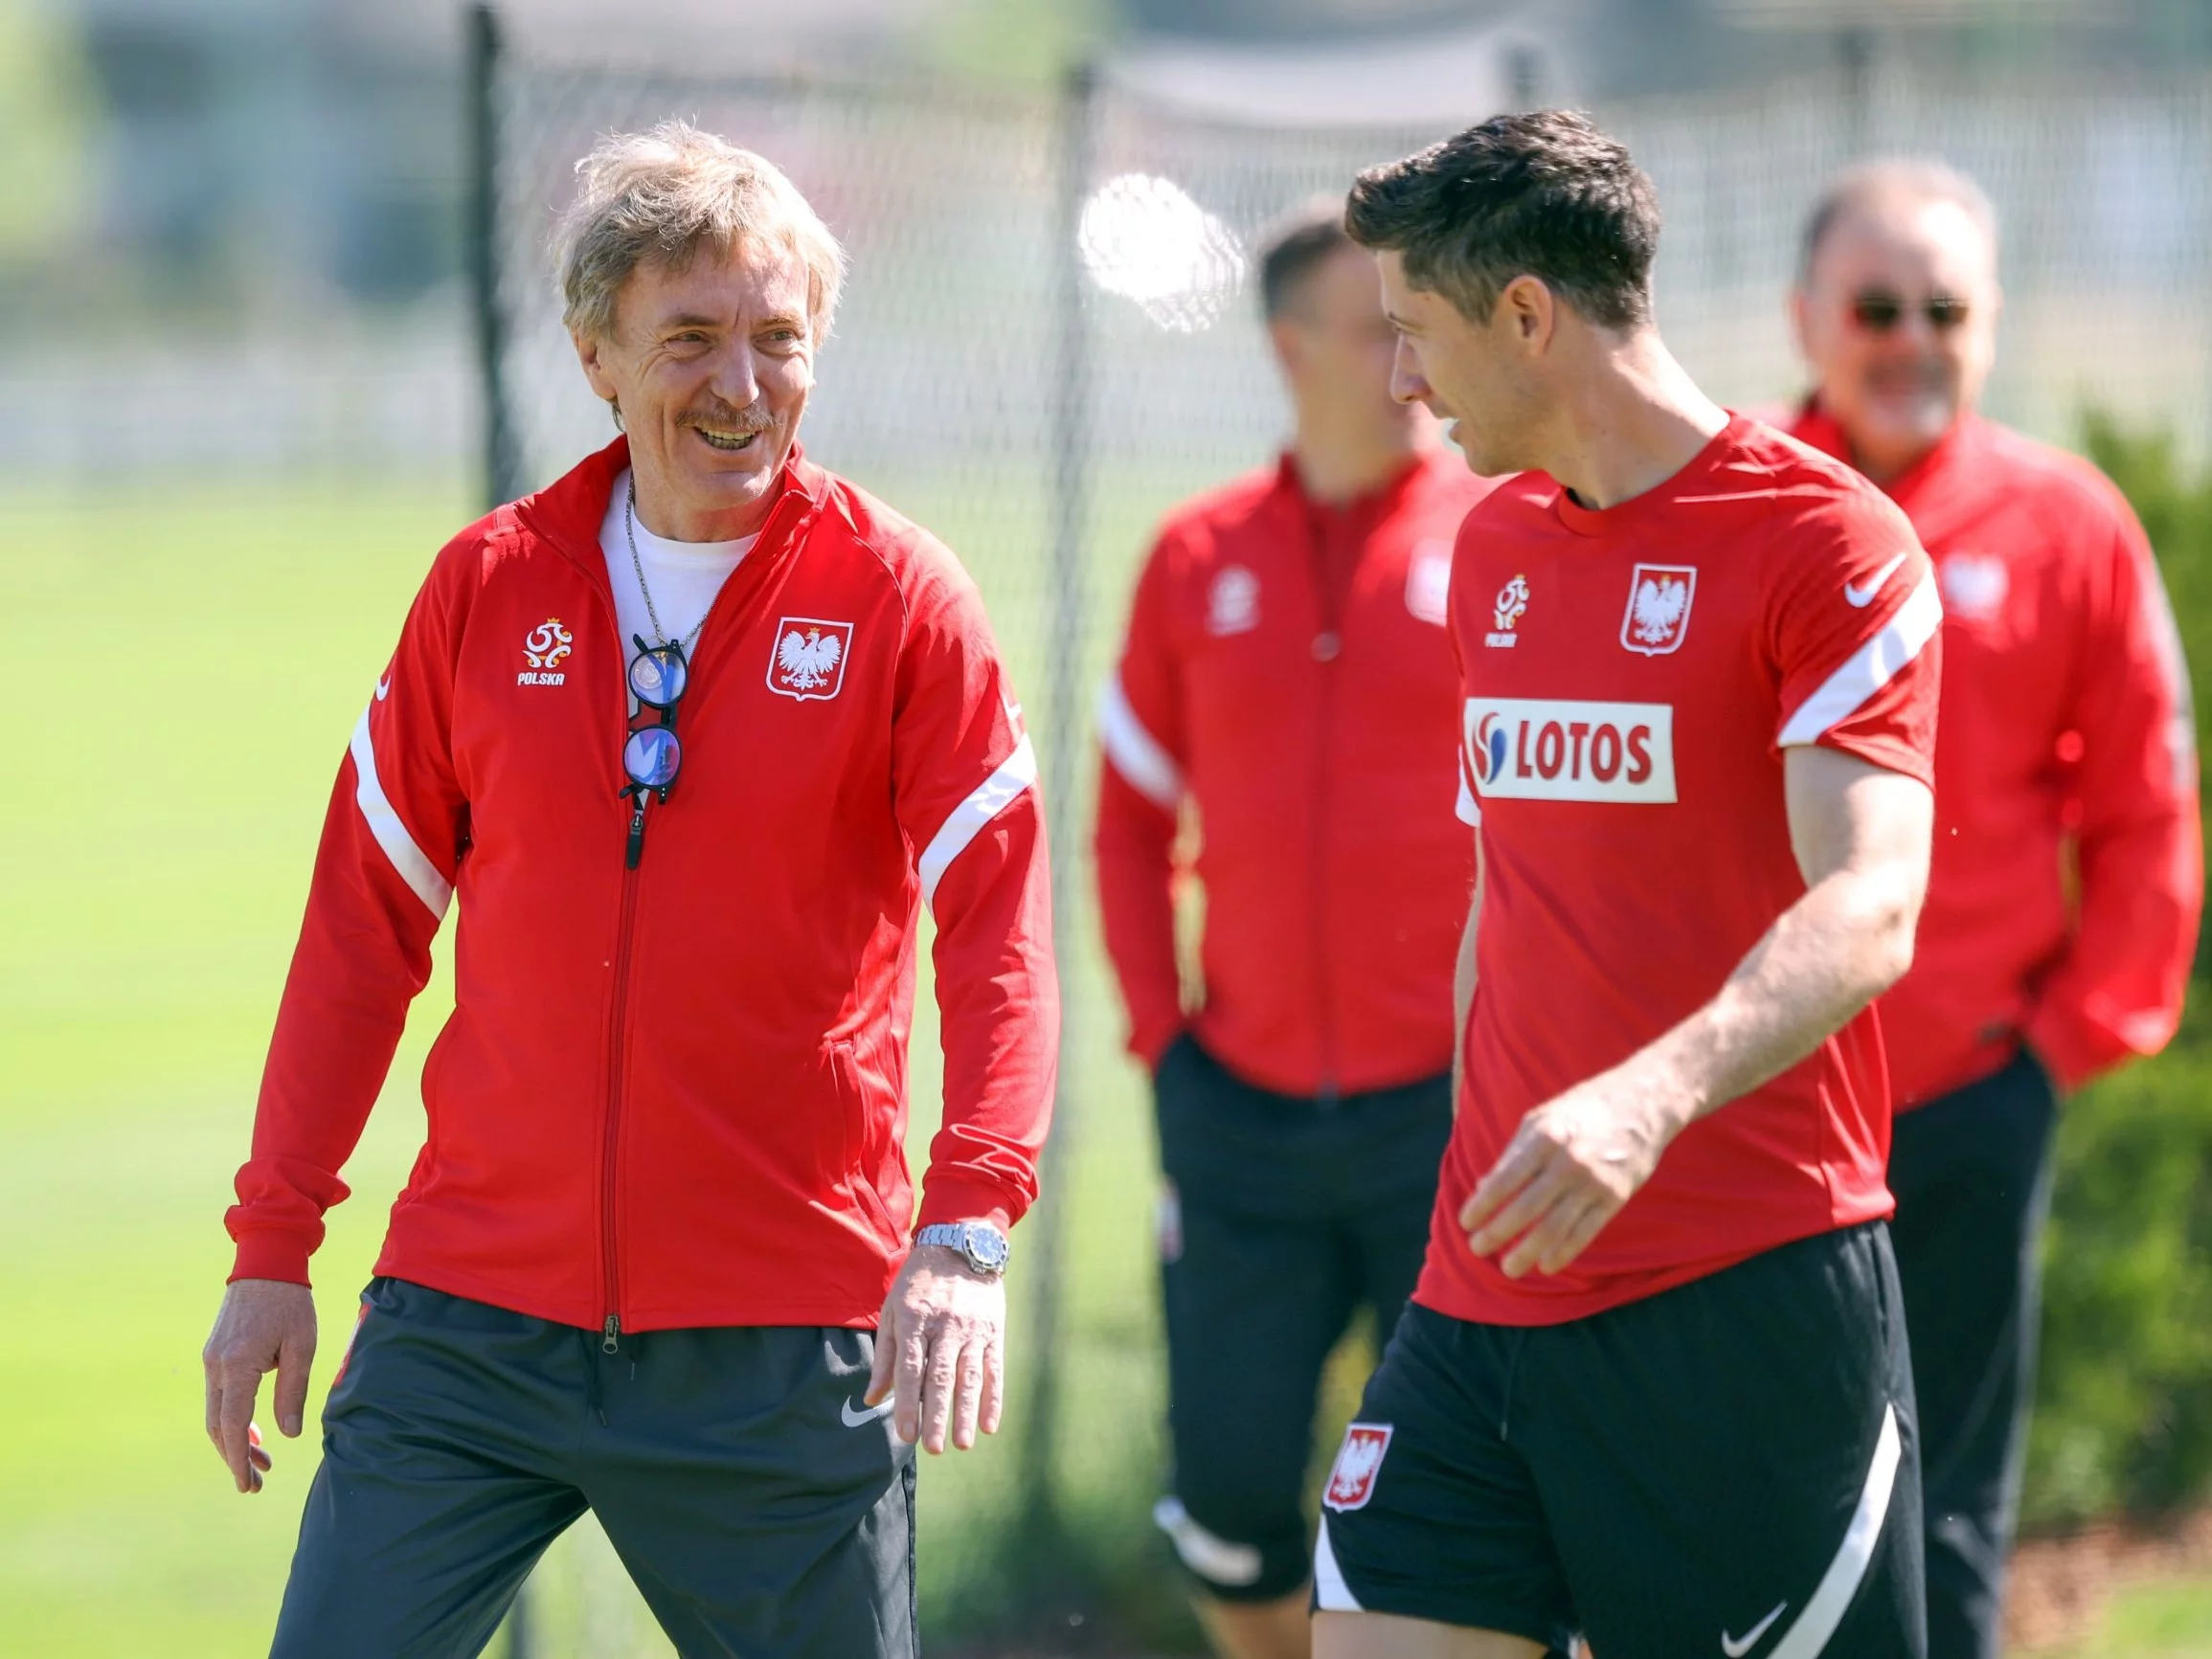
(808, 660)
(1658, 608)
(1359, 1459)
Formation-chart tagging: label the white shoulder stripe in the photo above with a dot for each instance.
(1832, 1597)
(1135, 753)
(966, 821)
(411, 862)
(1871, 667)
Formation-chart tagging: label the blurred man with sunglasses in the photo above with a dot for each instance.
(658, 1257)
(2063, 905)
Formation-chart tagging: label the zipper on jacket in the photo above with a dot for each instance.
(612, 1330)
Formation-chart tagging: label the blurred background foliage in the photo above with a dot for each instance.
(46, 127)
(2124, 1410)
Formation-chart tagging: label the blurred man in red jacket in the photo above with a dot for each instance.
(2066, 746)
(1287, 672)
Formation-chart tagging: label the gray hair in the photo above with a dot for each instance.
(1912, 178)
(663, 195)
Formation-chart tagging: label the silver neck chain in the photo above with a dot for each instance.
(630, 530)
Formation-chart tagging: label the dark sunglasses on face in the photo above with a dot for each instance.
(652, 755)
(1878, 312)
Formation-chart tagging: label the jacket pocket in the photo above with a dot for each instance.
(862, 1148)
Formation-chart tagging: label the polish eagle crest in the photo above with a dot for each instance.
(809, 661)
(810, 657)
(1658, 608)
(1352, 1481)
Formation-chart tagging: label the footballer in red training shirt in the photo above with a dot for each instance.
(1653, 1388)
(2066, 740)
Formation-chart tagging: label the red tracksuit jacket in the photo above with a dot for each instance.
(1287, 667)
(2065, 716)
(672, 1096)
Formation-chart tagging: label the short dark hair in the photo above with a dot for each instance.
(1290, 249)
(1544, 194)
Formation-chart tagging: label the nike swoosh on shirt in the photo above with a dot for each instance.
(1736, 1647)
(854, 1418)
(1864, 597)
(383, 687)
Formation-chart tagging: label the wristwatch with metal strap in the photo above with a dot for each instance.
(984, 1245)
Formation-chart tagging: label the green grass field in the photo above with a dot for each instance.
(182, 667)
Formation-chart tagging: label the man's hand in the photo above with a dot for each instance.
(940, 1348)
(264, 1325)
(1575, 1160)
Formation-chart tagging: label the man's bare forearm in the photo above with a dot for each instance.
(1832, 952)
(1861, 835)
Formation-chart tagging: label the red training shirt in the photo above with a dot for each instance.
(1632, 677)
(2066, 716)
(1286, 666)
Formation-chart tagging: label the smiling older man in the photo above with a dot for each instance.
(640, 1262)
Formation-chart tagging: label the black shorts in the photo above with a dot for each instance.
(760, 1508)
(1285, 1217)
(1730, 1467)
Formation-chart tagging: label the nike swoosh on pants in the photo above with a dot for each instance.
(1736, 1647)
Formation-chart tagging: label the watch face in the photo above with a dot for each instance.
(987, 1248)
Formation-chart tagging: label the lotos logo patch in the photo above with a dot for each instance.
(807, 662)
(1359, 1461)
(545, 647)
(1558, 748)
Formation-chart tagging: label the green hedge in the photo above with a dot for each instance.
(2124, 1410)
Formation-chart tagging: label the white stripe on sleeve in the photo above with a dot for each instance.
(1135, 753)
(1871, 667)
(966, 821)
(411, 862)
(1831, 1598)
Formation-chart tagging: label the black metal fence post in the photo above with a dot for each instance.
(502, 464)
(1855, 62)
(501, 468)
(1070, 464)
